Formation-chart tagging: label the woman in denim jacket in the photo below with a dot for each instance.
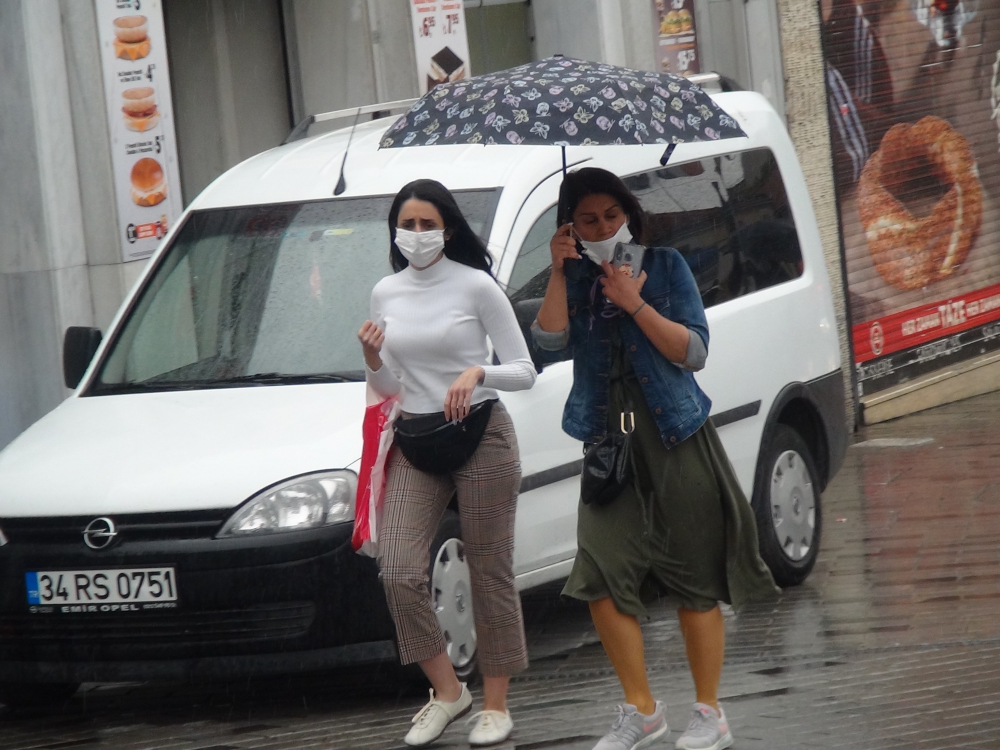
(683, 527)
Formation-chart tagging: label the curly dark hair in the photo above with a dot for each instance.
(462, 244)
(580, 183)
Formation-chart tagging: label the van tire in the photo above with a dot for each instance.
(36, 694)
(787, 505)
(447, 542)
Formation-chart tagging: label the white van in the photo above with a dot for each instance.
(187, 511)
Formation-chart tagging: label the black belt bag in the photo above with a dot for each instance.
(439, 446)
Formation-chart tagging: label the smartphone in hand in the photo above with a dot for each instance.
(629, 256)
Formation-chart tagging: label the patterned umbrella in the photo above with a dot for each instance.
(564, 102)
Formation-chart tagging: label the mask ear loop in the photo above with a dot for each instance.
(628, 228)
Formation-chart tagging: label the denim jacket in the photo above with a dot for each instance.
(678, 405)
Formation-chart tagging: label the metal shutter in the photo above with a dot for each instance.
(910, 87)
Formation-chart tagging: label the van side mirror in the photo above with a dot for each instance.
(79, 346)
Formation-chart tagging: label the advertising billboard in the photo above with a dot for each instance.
(912, 89)
(140, 122)
(440, 41)
(676, 38)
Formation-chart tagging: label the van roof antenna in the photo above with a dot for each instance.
(341, 183)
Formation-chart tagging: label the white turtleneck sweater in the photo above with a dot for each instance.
(436, 321)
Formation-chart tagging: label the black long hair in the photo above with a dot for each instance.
(461, 245)
(580, 183)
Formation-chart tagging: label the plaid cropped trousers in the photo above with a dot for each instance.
(487, 488)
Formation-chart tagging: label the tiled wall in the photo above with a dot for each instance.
(805, 98)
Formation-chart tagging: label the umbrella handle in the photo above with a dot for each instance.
(667, 154)
(564, 154)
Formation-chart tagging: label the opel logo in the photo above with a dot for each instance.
(99, 533)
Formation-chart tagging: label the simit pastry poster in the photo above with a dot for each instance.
(912, 92)
(440, 42)
(140, 123)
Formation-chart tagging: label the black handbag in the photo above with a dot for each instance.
(440, 446)
(607, 465)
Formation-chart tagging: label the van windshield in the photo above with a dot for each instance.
(261, 295)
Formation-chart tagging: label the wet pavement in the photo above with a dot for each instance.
(893, 641)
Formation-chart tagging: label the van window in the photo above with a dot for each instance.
(528, 280)
(261, 294)
(531, 269)
(728, 216)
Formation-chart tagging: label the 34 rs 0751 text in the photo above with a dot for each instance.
(107, 586)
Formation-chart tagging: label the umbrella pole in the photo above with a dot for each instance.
(564, 160)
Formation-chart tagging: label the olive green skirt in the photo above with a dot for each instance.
(683, 529)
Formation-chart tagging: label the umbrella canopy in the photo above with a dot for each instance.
(563, 102)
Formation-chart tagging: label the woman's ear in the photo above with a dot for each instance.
(447, 234)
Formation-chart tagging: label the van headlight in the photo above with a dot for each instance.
(306, 502)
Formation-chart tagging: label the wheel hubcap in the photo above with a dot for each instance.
(793, 505)
(451, 592)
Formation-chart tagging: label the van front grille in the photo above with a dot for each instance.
(201, 524)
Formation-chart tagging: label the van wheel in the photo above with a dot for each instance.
(451, 599)
(451, 596)
(787, 507)
(36, 694)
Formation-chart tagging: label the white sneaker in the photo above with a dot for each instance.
(431, 720)
(492, 727)
(708, 730)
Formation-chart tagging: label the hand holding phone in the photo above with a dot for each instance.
(629, 257)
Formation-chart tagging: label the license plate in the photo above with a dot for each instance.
(121, 589)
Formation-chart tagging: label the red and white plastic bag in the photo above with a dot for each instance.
(377, 432)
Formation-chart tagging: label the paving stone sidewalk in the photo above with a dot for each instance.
(893, 642)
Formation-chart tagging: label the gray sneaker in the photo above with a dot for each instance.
(708, 730)
(633, 730)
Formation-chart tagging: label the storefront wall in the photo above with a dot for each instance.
(45, 220)
(740, 39)
(806, 118)
(230, 93)
(917, 172)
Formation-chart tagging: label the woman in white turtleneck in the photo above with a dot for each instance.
(426, 341)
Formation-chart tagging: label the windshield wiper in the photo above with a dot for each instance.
(259, 378)
(276, 378)
(114, 389)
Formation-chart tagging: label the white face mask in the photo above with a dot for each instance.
(420, 248)
(605, 249)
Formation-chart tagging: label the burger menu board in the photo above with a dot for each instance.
(440, 41)
(913, 94)
(677, 42)
(140, 122)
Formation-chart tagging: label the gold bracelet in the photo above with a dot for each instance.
(638, 309)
